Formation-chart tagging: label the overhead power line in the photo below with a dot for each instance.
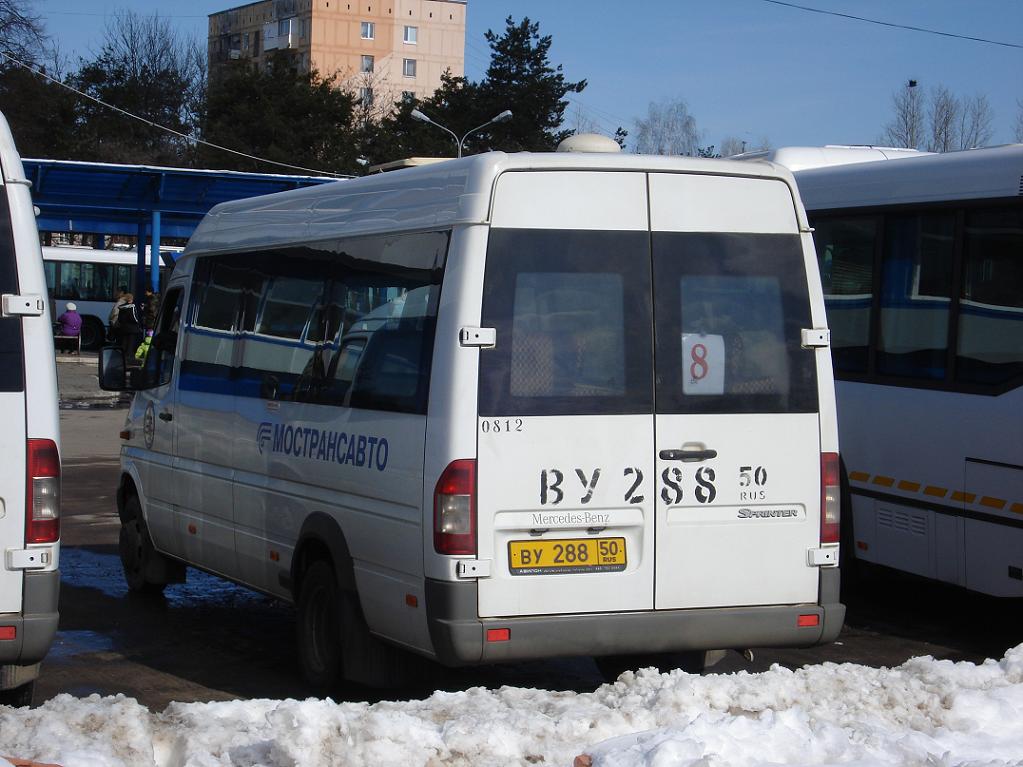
(179, 134)
(892, 24)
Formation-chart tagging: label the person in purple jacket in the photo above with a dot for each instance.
(70, 321)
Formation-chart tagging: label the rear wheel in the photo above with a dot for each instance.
(18, 696)
(138, 556)
(613, 666)
(319, 627)
(93, 334)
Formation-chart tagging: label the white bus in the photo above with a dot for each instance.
(92, 279)
(432, 407)
(922, 267)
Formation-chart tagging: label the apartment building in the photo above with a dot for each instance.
(380, 49)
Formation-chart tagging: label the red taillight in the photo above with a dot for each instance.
(8, 633)
(498, 635)
(454, 509)
(805, 621)
(830, 495)
(42, 492)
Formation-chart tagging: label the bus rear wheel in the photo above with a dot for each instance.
(319, 627)
(93, 334)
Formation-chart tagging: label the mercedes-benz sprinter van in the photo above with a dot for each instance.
(503, 407)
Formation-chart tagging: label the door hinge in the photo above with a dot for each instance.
(473, 568)
(22, 306)
(815, 338)
(485, 338)
(823, 557)
(28, 559)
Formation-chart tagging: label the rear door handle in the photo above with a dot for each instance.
(165, 416)
(687, 456)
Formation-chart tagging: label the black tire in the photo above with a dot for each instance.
(613, 666)
(137, 552)
(319, 629)
(93, 334)
(18, 696)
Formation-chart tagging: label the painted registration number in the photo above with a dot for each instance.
(571, 555)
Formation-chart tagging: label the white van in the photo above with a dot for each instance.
(29, 441)
(503, 407)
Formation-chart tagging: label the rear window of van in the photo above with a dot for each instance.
(12, 372)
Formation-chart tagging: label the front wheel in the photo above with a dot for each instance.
(137, 551)
(319, 627)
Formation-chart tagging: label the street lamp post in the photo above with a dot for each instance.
(460, 142)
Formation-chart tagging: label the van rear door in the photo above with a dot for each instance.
(737, 422)
(565, 428)
(12, 415)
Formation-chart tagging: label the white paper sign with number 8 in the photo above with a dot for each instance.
(703, 364)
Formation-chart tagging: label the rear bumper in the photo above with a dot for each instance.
(36, 625)
(458, 634)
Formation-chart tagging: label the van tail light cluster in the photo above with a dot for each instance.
(831, 493)
(454, 509)
(42, 492)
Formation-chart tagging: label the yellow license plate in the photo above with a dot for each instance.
(566, 555)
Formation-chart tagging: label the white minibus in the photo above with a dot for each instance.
(504, 407)
(29, 441)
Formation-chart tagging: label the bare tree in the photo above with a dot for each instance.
(975, 122)
(1018, 128)
(583, 122)
(944, 114)
(731, 146)
(668, 129)
(907, 126)
(21, 31)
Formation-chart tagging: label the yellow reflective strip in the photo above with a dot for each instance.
(911, 487)
(884, 481)
(859, 476)
(1017, 508)
(992, 503)
(937, 492)
(959, 495)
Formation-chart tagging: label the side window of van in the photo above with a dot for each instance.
(11, 356)
(573, 317)
(347, 323)
(160, 360)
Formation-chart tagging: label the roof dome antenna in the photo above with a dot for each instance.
(589, 142)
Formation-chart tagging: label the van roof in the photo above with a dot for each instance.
(431, 196)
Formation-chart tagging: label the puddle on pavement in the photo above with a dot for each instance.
(68, 644)
(84, 568)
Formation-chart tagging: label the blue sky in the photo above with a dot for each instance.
(747, 68)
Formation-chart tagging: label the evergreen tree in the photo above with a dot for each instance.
(281, 114)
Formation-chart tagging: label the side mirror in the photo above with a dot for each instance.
(112, 370)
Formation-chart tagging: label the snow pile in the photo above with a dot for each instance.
(925, 712)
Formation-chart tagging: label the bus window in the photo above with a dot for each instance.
(916, 294)
(845, 252)
(990, 348)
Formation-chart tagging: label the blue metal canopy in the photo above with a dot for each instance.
(139, 200)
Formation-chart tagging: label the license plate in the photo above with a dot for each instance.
(566, 555)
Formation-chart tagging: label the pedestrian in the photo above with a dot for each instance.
(70, 321)
(129, 327)
(150, 308)
(115, 310)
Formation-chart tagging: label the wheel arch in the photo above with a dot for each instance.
(129, 485)
(321, 537)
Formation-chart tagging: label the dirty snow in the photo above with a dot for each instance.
(925, 712)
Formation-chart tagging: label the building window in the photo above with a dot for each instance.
(367, 65)
(408, 67)
(368, 30)
(366, 97)
(411, 35)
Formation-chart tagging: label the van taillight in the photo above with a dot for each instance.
(42, 492)
(454, 509)
(830, 495)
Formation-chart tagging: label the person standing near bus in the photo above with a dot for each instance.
(128, 326)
